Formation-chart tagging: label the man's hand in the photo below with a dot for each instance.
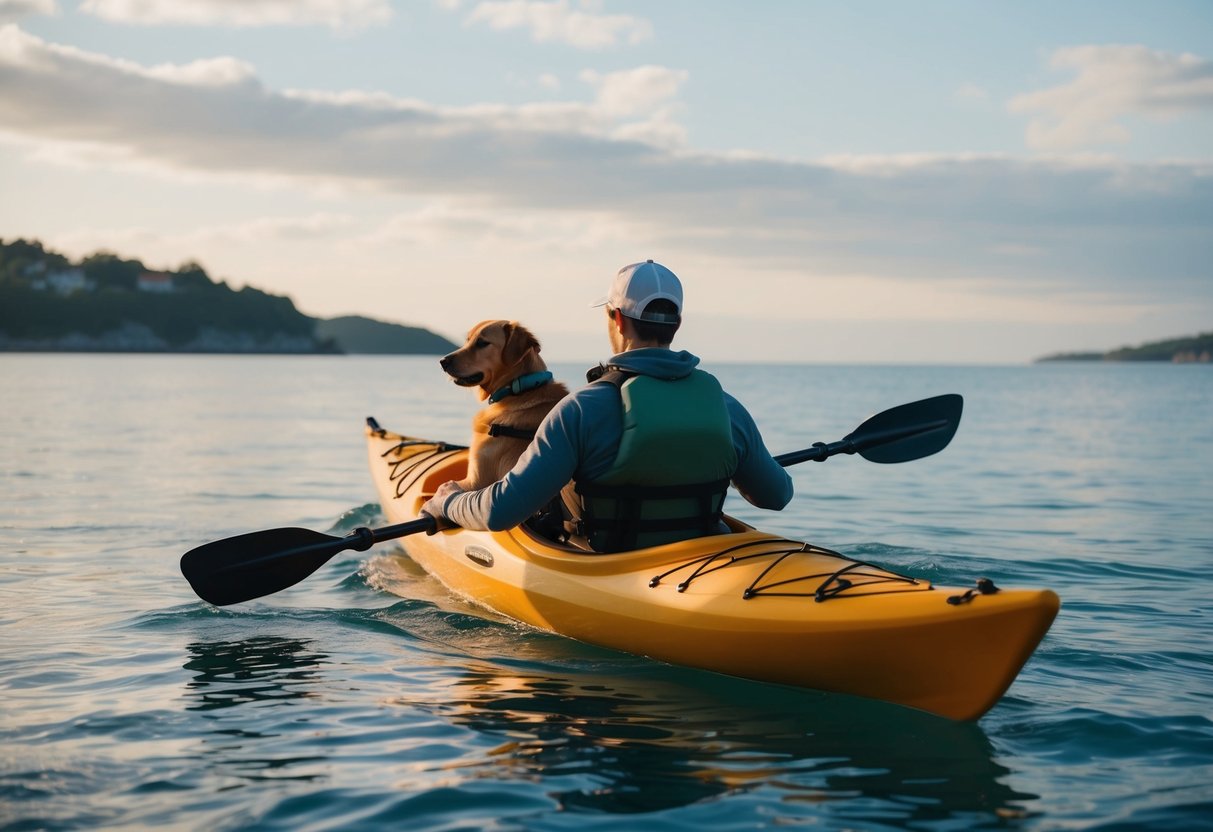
(433, 506)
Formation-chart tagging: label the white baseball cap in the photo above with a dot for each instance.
(638, 285)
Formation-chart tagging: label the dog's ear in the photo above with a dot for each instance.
(518, 342)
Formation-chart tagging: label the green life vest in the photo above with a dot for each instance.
(673, 467)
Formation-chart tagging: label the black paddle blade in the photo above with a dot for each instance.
(910, 431)
(251, 565)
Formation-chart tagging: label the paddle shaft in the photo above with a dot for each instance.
(253, 565)
(359, 540)
(364, 538)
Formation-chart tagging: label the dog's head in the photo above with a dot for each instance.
(495, 353)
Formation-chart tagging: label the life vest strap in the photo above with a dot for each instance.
(651, 492)
(624, 527)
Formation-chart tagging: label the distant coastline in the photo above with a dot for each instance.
(104, 303)
(1196, 349)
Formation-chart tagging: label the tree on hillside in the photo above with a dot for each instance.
(191, 275)
(21, 260)
(109, 271)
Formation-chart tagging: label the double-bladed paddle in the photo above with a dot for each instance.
(253, 565)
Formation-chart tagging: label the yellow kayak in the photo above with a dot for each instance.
(747, 603)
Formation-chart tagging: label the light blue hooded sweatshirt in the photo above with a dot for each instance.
(579, 439)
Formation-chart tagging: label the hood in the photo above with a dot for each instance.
(656, 362)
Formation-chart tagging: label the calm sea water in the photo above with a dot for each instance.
(367, 698)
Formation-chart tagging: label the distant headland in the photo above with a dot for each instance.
(1197, 349)
(105, 303)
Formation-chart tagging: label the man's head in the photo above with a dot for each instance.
(649, 296)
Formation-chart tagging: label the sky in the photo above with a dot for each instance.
(871, 181)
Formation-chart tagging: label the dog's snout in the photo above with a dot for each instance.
(445, 361)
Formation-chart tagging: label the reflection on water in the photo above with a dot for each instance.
(626, 744)
(640, 737)
(261, 670)
(229, 673)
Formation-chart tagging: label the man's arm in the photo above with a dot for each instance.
(759, 478)
(543, 469)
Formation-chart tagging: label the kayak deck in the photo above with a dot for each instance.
(745, 603)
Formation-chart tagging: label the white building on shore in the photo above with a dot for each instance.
(63, 282)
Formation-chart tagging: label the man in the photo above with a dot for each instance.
(648, 448)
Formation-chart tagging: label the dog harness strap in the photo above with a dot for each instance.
(514, 433)
(522, 384)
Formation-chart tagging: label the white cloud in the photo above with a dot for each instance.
(647, 93)
(556, 20)
(242, 13)
(12, 10)
(635, 91)
(1081, 223)
(208, 72)
(1113, 82)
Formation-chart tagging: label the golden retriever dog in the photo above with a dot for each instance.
(501, 359)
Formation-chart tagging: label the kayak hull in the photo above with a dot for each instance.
(748, 604)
